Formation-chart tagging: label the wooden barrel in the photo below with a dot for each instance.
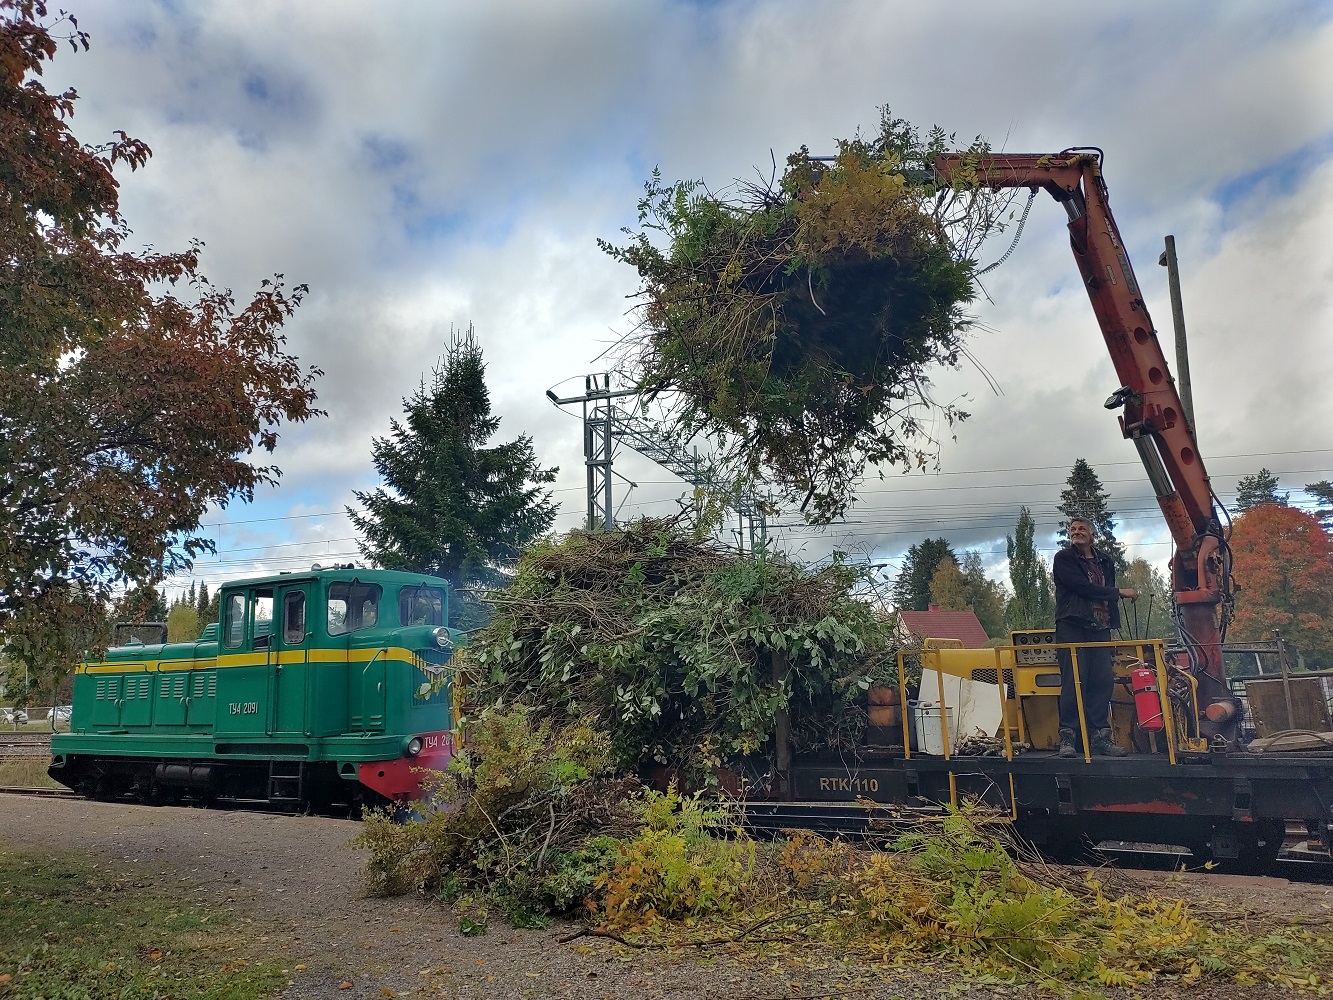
(882, 694)
(885, 715)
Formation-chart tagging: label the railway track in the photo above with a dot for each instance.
(40, 793)
(25, 745)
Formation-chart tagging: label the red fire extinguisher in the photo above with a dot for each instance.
(1147, 704)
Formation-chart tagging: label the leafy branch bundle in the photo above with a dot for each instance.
(525, 817)
(797, 324)
(668, 644)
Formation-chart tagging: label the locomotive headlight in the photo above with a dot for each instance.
(442, 637)
(414, 746)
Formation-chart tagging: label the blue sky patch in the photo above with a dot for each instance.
(1279, 178)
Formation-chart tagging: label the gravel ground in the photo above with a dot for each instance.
(299, 884)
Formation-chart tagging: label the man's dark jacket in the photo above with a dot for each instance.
(1075, 592)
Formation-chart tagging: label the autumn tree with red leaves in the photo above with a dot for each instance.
(132, 392)
(1283, 562)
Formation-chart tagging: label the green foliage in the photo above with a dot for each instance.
(986, 597)
(451, 506)
(36, 663)
(1260, 488)
(911, 588)
(670, 645)
(953, 585)
(800, 320)
(516, 819)
(470, 926)
(512, 836)
(951, 892)
(675, 869)
(182, 623)
(70, 931)
(141, 603)
(1150, 616)
(210, 608)
(1033, 602)
(1322, 494)
(948, 590)
(1084, 497)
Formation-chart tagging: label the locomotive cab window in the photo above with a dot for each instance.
(293, 618)
(353, 606)
(263, 618)
(233, 618)
(421, 606)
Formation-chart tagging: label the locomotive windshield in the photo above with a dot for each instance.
(353, 606)
(421, 606)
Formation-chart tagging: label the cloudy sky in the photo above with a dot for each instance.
(424, 166)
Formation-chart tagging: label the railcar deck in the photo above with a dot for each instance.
(1219, 805)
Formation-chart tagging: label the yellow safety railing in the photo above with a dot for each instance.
(1000, 667)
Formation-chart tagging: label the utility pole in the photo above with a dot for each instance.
(605, 425)
(598, 446)
(1168, 261)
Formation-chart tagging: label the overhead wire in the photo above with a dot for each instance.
(959, 472)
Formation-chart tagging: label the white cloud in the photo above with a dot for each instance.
(430, 165)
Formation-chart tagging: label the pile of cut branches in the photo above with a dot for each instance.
(680, 651)
(523, 817)
(796, 323)
(662, 870)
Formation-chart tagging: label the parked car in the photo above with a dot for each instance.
(62, 713)
(13, 716)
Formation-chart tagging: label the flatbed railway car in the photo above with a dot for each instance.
(1230, 803)
(313, 691)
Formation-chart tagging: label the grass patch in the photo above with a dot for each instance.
(40, 726)
(26, 774)
(71, 931)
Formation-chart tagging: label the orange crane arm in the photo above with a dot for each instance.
(1153, 415)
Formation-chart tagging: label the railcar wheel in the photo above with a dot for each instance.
(106, 788)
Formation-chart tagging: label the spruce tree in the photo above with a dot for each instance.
(911, 590)
(1257, 489)
(207, 607)
(1084, 498)
(1033, 603)
(451, 506)
(212, 612)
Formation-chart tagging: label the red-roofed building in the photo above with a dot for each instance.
(937, 624)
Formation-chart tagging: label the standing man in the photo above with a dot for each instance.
(1087, 607)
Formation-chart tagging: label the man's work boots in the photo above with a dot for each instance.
(1103, 746)
(1068, 743)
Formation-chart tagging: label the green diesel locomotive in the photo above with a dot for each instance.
(312, 691)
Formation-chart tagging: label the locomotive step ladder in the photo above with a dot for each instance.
(286, 781)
